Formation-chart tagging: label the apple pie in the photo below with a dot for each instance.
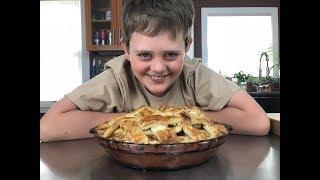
(166, 125)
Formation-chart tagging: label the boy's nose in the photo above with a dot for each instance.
(158, 65)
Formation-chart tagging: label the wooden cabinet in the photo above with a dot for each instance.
(103, 23)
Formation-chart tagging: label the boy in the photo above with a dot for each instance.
(153, 71)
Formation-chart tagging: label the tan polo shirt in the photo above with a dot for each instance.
(117, 90)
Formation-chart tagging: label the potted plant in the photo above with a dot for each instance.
(241, 77)
(251, 83)
(270, 84)
(245, 81)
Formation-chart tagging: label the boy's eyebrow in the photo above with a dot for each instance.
(165, 51)
(172, 51)
(140, 51)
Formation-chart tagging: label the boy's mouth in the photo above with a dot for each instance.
(157, 79)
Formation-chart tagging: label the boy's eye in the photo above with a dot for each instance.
(144, 55)
(171, 55)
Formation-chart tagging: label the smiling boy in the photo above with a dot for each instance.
(153, 71)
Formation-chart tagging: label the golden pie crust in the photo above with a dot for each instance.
(166, 125)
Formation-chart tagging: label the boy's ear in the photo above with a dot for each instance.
(125, 48)
(189, 44)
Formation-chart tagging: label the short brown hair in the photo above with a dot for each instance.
(151, 17)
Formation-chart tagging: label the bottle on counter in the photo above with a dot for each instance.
(107, 12)
(96, 38)
(108, 15)
(103, 37)
(110, 37)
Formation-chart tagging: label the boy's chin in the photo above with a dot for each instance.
(158, 92)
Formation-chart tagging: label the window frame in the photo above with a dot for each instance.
(240, 11)
(85, 66)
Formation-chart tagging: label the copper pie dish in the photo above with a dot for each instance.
(163, 156)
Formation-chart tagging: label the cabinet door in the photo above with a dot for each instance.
(101, 25)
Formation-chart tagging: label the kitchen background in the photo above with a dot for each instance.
(238, 39)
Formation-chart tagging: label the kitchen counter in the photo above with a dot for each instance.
(265, 94)
(240, 157)
(274, 123)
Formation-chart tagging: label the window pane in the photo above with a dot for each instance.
(235, 43)
(60, 48)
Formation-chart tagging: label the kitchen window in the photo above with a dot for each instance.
(63, 64)
(233, 39)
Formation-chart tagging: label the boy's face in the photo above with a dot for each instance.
(156, 61)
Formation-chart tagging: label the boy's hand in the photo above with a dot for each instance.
(65, 121)
(244, 114)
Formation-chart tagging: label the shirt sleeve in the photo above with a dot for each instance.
(100, 94)
(212, 90)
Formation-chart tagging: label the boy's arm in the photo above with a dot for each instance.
(244, 114)
(65, 121)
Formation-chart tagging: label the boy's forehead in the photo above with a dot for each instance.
(141, 41)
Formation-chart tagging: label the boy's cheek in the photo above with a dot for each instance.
(138, 67)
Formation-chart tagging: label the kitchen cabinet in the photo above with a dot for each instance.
(103, 25)
(269, 101)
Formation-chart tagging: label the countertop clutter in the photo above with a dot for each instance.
(275, 123)
(240, 157)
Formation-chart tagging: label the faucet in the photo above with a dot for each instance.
(273, 66)
(260, 69)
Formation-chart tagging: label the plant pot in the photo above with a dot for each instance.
(251, 87)
(275, 86)
(266, 88)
